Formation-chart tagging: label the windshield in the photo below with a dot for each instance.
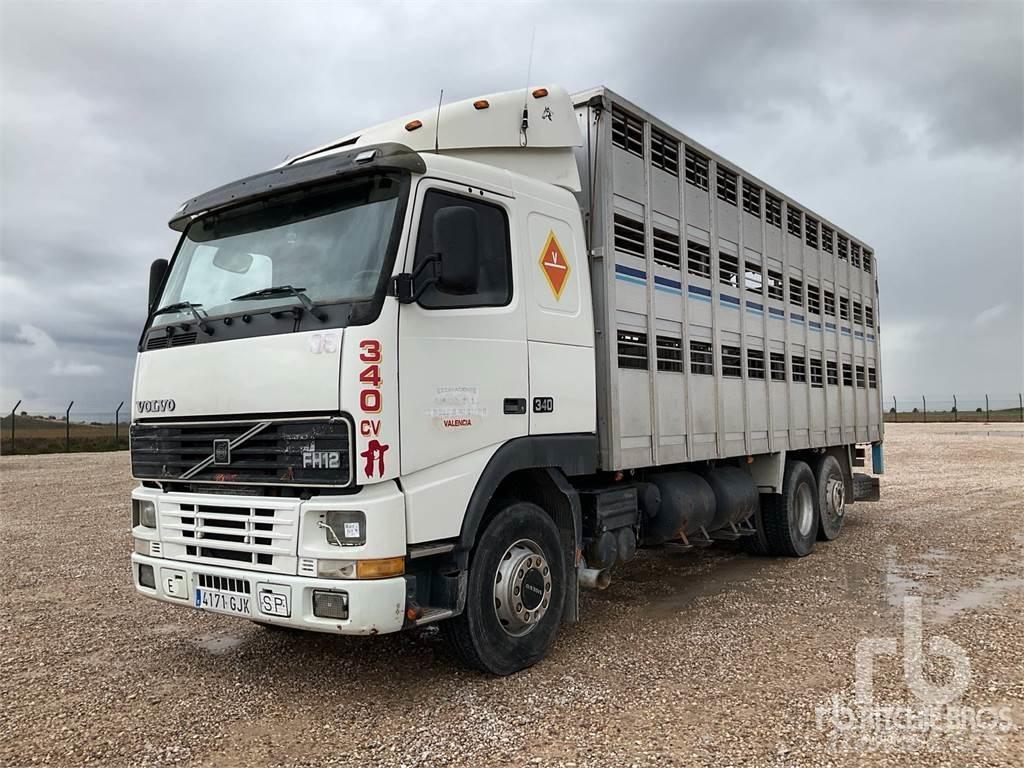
(330, 244)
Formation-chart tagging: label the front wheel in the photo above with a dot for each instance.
(515, 593)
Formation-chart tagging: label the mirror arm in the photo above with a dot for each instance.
(403, 286)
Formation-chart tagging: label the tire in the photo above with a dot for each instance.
(789, 520)
(831, 498)
(515, 593)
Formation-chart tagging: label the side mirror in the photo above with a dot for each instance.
(455, 241)
(157, 270)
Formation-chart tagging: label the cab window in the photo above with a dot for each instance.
(494, 262)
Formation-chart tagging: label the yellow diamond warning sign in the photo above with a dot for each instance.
(554, 265)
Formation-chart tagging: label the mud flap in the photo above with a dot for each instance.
(866, 488)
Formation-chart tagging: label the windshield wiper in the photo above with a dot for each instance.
(285, 290)
(193, 308)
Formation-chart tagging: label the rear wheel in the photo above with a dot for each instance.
(790, 519)
(515, 593)
(831, 498)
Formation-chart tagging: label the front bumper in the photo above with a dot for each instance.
(374, 606)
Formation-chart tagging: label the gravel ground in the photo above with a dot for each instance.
(712, 658)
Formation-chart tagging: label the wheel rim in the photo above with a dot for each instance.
(804, 509)
(835, 496)
(522, 588)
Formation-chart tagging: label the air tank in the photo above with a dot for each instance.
(736, 496)
(687, 505)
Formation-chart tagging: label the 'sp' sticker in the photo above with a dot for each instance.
(554, 265)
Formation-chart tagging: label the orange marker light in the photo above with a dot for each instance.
(540, 93)
(481, 104)
(380, 569)
(412, 125)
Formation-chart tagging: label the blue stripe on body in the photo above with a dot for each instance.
(622, 269)
(667, 281)
(698, 293)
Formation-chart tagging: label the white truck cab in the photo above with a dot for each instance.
(381, 386)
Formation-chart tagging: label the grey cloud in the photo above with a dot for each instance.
(884, 116)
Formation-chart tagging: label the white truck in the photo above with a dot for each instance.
(457, 366)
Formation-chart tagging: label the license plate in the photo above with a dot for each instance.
(273, 600)
(222, 602)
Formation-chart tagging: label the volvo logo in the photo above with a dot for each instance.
(154, 406)
(221, 451)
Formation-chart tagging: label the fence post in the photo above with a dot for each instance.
(117, 425)
(67, 428)
(895, 410)
(924, 407)
(956, 414)
(1020, 405)
(988, 413)
(15, 408)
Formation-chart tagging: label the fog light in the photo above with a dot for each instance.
(143, 513)
(146, 576)
(336, 569)
(380, 569)
(344, 528)
(330, 605)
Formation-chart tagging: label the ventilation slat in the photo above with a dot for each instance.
(629, 236)
(627, 132)
(751, 198)
(698, 259)
(702, 358)
(664, 152)
(726, 187)
(732, 361)
(632, 350)
(666, 248)
(670, 354)
(773, 210)
(697, 166)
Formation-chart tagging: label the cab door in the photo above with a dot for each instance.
(463, 374)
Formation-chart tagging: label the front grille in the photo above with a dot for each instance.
(232, 534)
(224, 584)
(261, 452)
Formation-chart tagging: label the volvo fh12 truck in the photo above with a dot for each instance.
(455, 367)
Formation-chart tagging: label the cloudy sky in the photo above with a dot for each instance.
(903, 123)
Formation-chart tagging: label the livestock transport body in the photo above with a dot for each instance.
(457, 366)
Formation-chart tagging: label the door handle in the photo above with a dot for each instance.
(515, 406)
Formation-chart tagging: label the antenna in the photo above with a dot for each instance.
(437, 122)
(526, 91)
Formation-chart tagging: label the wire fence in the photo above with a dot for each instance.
(92, 426)
(73, 426)
(955, 408)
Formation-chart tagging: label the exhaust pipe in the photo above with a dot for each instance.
(592, 578)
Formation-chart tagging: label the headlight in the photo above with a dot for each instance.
(336, 569)
(143, 513)
(344, 528)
